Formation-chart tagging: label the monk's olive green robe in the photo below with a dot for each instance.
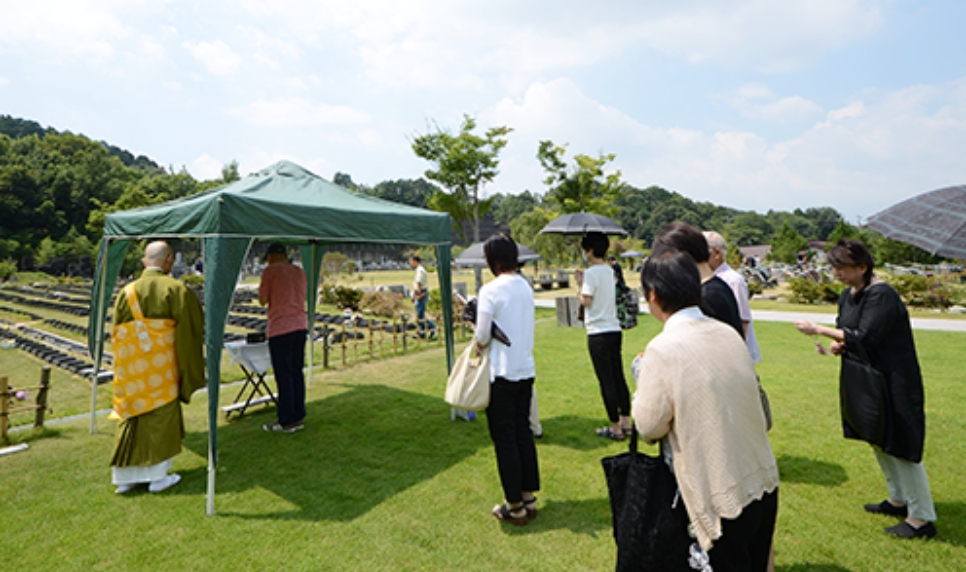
(156, 436)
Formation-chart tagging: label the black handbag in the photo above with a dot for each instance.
(863, 398)
(649, 518)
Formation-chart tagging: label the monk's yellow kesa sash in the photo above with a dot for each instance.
(145, 362)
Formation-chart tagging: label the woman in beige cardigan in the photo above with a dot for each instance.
(696, 388)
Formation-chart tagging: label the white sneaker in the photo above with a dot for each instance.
(164, 484)
(124, 489)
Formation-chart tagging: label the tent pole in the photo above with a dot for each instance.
(99, 333)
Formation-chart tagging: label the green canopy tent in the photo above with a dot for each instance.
(283, 202)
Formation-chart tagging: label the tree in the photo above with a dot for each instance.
(343, 180)
(750, 228)
(463, 164)
(412, 192)
(333, 263)
(552, 248)
(825, 219)
(581, 188)
(786, 244)
(844, 230)
(506, 208)
(229, 173)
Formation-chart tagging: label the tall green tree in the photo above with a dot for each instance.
(845, 230)
(464, 162)
(787, 243)
(582, 187)
(553, 248)
(506, 208)
(412, 192)
(750, 228)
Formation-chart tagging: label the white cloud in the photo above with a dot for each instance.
(206, 167)
(859, 158)
(756, 100)
(65, 30)
(217, 57)
(298, 111)
(786, 109)
(4, 81)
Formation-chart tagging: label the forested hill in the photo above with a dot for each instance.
(56, 187)
(16, 128)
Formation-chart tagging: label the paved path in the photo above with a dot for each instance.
(938, 324)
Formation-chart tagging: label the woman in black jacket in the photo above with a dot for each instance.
(873, 320)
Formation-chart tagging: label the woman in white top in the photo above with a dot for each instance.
(697, 389)
(508, 302)
(598, 296)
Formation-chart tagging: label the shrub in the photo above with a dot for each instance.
(341, 296)
(7, 269)
(193, 280)
(806, 291)
(755, 287)
(922, 291)
(384, 303)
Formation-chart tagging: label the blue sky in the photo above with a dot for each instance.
(753, 104)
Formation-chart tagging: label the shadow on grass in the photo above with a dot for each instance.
(358, 449)
(812, 568)
(794, 469)
(952, 523)
(574, 432)
(29, 434)
(590, 517)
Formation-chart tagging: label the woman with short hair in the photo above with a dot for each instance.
(873, 320)
(508, 302)
(697, 390)
(598, 297)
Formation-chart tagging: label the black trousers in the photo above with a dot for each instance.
(605, 354)
(746, 541)
(288, 359)
(508, 418)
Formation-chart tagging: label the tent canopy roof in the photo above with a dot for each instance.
(284, 200)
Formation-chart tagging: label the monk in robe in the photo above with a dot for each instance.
(157, 343)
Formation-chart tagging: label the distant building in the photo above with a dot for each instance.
(757, 252)
(816, 251)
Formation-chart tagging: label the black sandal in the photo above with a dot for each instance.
(608, 433)
(531, 506)
(506, 513)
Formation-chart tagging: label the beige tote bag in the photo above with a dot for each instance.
(469, 383)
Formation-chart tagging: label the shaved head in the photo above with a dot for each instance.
(158, 255)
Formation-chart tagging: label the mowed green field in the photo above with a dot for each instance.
(382, 479)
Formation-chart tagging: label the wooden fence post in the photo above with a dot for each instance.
(4, 407)
(42, 397)
(371, 342)
(342, 343)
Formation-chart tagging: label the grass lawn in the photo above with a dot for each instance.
(381, 479)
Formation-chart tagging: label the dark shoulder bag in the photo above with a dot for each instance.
(863, 398)
(649, 518)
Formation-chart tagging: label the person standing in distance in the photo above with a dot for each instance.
(421, 297)
(157, 341)
(283, 290)
(598, 296)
